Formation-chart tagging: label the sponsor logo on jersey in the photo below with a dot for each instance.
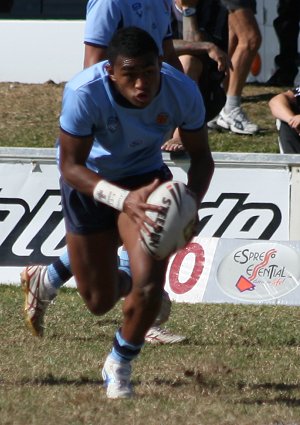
(162, 118)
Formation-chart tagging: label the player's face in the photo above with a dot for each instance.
(137, 79)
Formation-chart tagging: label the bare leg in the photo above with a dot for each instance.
(244, 42)
(94, 264)
(192, 67)
(142, 305)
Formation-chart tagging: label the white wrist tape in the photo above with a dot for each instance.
(110, 194)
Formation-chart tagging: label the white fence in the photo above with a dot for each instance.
(249, 216)
(37, 51)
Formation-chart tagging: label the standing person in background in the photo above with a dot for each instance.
(106, 179)
(285, 107)
(244, 42)
(200, 40)
(104, 17)
(286, 26)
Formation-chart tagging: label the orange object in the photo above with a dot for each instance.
(243, 284)
(256, 65)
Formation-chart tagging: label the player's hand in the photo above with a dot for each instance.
(135, 205)
(218, 55)
(294, 122)
(172, 145)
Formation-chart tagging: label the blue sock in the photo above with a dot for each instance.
(124, 351)
(59, 272)
(124, 261)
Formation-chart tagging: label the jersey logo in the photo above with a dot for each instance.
(112, 124)
(162, 118)
(138, 9)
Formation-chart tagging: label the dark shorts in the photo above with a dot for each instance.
(289, 139)
(240, 4)
(84, 215)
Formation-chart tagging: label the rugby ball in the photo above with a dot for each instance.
(175, 223)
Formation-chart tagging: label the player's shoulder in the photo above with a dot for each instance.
(101, 3)
(88, 77)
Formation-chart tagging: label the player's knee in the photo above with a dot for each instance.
(192, 64)
(254, 42)
(98, 303)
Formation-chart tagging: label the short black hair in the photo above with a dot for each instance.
(131, 42)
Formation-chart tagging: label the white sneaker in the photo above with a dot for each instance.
(236, 121)
(212, 124)
(37, 298)
(158, 335)
(116, 376)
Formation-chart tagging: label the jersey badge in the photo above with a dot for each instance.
(162, 118)
(138, 9)
(112, 124)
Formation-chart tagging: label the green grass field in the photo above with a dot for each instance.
(29, 118)
(239, 366)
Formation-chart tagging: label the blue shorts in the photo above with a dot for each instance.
(84, 215)
(240, 4)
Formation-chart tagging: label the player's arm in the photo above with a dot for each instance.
(190, 27)
(282, 105)
(93, 54)
(201, 162)
(194, 44)
(170, 55)
(198, 48)
(73, 154)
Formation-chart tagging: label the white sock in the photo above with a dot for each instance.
(51, 290)
(232, 102)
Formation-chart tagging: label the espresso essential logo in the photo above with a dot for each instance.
(259, 271)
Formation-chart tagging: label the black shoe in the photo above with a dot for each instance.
(281, 80)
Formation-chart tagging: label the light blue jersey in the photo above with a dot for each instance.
(128, 140)
(104, 17)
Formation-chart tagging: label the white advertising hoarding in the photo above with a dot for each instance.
(236, 271)
(249, 202)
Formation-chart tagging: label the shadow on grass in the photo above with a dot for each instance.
(271, 399)
(288, 401)
(262, 97)
(51, 380)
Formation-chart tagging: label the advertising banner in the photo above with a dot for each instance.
(236, 271)
(240, 203)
